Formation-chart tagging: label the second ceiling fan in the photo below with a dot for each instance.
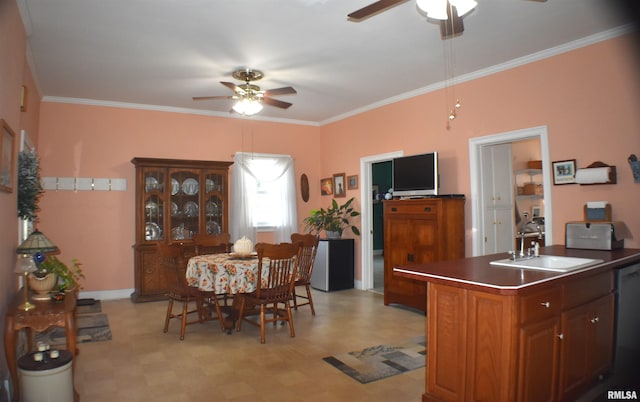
(448, 12)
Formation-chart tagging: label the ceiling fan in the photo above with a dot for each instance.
(450, 24)
(250, 97)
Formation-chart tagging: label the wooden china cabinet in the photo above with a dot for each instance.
(175, 199)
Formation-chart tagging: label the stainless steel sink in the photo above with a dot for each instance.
(548, 263)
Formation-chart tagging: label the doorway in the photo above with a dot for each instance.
(478, 205)
(366, 214)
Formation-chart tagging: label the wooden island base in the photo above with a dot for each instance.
(504, 334)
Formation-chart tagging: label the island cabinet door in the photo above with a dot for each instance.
(538, 361)
(471, 343)
(587, 345)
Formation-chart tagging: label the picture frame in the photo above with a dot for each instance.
(352, 182)
(339, 189)
(326, 186)
(564, 172)
(6, 157)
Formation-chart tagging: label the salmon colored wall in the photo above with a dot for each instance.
(14, 72)
(584, 97)
(90, 141)
(588, 99)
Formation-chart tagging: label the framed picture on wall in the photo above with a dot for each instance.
(6, 157)
(564, 172)
(339, 189)
(352, 182)
(326, 186)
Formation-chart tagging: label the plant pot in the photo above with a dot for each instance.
(42, 286)
(333, 235)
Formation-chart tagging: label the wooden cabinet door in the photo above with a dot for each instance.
(602, 329)
(587, 345)
(537, 363)
(400, 249)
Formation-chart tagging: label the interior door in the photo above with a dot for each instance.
(497, 195)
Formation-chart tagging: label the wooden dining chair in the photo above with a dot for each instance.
(305, 267)
(277, 287)
(172, 258)
(212, 244)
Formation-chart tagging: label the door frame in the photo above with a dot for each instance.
(475, 147)
(366, 215)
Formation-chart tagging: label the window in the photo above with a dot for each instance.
(263, 196)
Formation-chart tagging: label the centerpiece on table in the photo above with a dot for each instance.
(333, 220)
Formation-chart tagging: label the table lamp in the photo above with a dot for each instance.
(25, 266)
(37, 242)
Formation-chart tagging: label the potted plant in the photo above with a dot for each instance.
(333, 220)
(29, 187)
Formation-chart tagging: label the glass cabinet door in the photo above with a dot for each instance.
(154, 204)
(185, 204)
(214, 205)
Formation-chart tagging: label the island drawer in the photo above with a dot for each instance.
(540, 305)
(586, 289)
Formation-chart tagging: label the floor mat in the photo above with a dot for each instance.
(92, 326)
(381, 361)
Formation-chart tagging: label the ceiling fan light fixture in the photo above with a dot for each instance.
(436, 9)
(247, 107)
(463, 6)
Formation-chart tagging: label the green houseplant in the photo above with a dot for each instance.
(333, 220)
(29, 187)
(51, 270)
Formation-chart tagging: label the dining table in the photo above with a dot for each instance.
(226, 274)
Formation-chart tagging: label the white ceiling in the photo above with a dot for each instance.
(159, 53)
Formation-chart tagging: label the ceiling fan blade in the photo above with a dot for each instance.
(372, 9)
(453, 26)
(276, 103)
(230, 85)
(280, 91)
(197, 98)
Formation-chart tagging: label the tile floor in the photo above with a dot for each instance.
(142, 363)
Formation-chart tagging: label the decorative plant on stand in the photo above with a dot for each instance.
(51, 270)
(333, 220)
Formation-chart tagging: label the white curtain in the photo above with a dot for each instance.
(247, 171)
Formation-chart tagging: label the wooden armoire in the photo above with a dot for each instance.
(418, 231)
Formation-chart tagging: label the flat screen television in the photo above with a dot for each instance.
(416, 175)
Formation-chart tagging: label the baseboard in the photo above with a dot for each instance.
(107, 294)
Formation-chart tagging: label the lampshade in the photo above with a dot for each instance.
(437, 9)
(247, 106)
(37, 243)
(25, 264)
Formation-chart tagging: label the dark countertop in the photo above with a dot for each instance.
(477, 273)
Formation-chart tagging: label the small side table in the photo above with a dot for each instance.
(46, 314)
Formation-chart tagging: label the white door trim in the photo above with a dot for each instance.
(366, 211)
(475, 145)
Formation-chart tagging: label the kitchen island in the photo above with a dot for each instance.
(506, 334)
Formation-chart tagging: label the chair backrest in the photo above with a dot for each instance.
(283, 265)
(172, 258)
(212, 244)
(307, 254)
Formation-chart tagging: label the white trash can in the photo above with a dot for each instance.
(48, 380)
